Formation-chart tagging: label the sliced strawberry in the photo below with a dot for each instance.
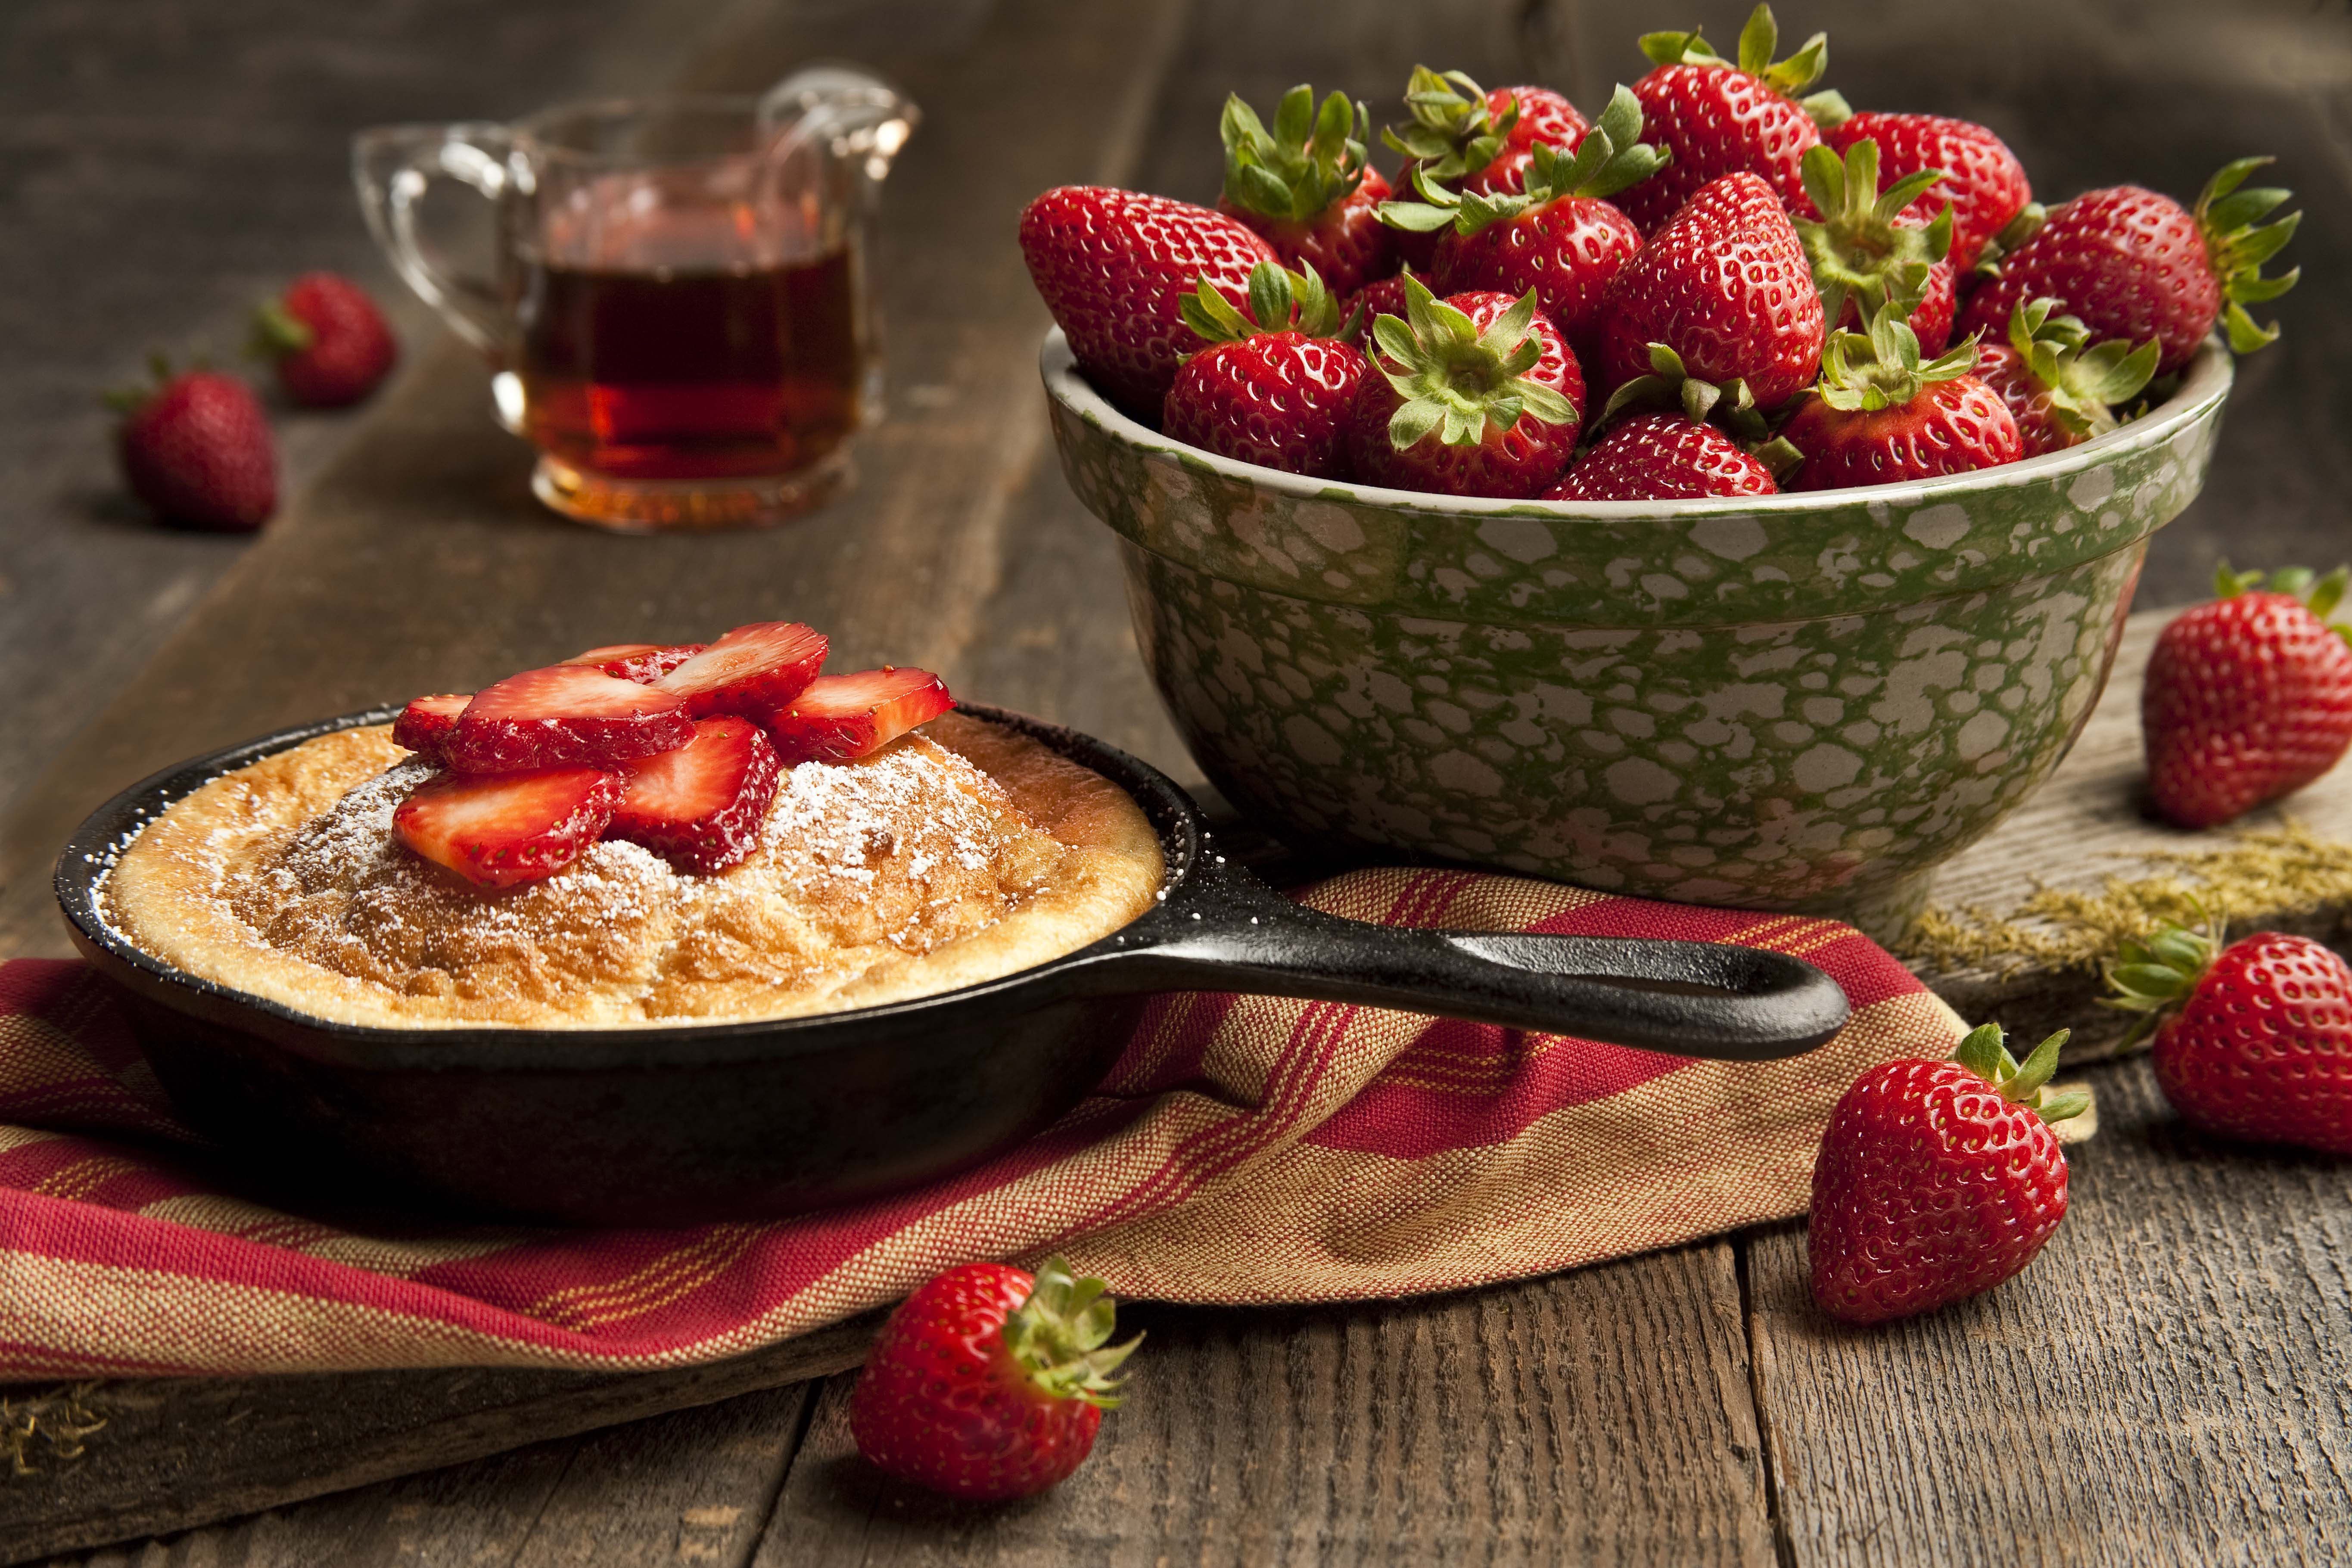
(564, 715)
(498, 829)
(702, 805)
(642, 662)
(749, 670)
(424, 724)
(844, 716)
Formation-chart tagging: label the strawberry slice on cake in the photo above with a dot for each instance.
(839, 718)
(424, 724)
(752, 668)
(564, 715)
(703, 804)
(642, 662)
(498, 829)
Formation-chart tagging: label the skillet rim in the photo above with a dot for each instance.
(90, 852)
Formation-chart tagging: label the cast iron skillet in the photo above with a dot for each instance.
(657, 1126)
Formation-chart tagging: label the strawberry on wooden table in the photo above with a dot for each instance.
(840, 718)
(1937, 1179)
(2247, 697)
(1114, 266)
(1277, 398)
(1867, 247)
(197, 450)
(988, 1384)
(424, 726)
(1472, 396)
(1558, 236)
(1981, 181)
(499, 829)
(1881, 416)
(2133, 264)
(1306, 189)
(2060, 392)
(642, 662)
(2253, 1040)
(751, 668)
(703, 804)
(1715, 117)
(1726, 286)
(1459, 136)
(327, 338)
(562, 715)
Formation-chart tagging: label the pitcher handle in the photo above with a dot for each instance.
(860, 118)
(394, 166)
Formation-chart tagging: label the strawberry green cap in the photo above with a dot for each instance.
(1450, 133)
(2154, 975)
(1729, 403)
(2082, 381)
(1454, 378)
(1883, 370)
(1060, 1337)
(2238, 245)
(1984, 1051)
(1312, 160)
(1856, 249)
(1611, 157)
(1280, 301)
(1757, 42)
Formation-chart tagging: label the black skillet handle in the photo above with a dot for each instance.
(1223, 930)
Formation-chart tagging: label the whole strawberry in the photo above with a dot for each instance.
(1713, 117)
(1472, 396)
(2135, 265)
(1726, 287)
(327, 338)
(1306, 189)
(1983, 185)
(1937, 1179)
(986, 1383)
(1279, 399)
(1559, 236)
(1866, 248)
(2248, 697)
(1114, 267)
(197, 450)
(2059, 392)
(1880, 416)
(2252, 1040)
(1460, 137)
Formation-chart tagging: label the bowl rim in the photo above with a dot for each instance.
(2203, 386)
(89, 855)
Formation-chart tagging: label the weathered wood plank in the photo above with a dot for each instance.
(2166, 1382)
(1599, 1417)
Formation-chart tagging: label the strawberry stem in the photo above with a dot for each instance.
(1060, 1336)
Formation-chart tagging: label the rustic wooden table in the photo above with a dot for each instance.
(2168, 1384)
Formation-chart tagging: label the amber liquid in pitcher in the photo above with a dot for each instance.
(687, 371)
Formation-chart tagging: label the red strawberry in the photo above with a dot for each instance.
(1866, 248)
(1472, 396)
(499, 829)
(642, 662)
(754, 668)
(1278, 399)
(986, 1383)
(1937, 1179)
(1382, 297)
(1983, 186)
(2248, 697)
(1664, 456)
(703, 804)
(424, 726)
(2135, 265)
(1306, 189)
(198, 451)
(1725, 286)
(840, 718)
(2058, 392)
(1559, 236)
(1460, 137)
(1114, 266)
(1882, 418)
(328, 339)
(2255, 1043)
(564, 715)
(1716, 117)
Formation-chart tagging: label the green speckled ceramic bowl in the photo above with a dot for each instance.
(1803, 703)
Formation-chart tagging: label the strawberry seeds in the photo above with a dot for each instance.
(679, 748)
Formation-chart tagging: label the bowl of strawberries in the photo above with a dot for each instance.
(1733, 498)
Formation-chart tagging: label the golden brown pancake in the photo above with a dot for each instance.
(959, 853)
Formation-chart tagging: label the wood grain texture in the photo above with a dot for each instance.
(2166, 1382)
(1599, 1417)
